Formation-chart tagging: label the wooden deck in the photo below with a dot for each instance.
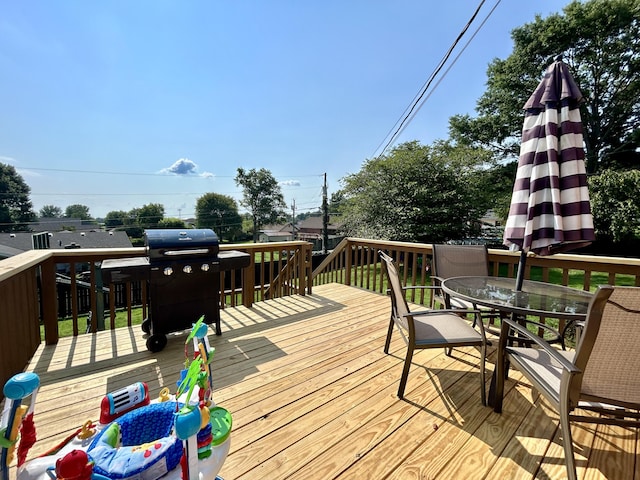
(313, 397)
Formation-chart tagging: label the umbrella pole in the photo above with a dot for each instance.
(520, 275)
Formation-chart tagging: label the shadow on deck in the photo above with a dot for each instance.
(313, 397)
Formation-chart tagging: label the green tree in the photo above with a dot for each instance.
(336, 202)
(496, 187)
(220, 213)
(16, 210)
(116, 218)
(415, 194)
(171, 222)
(247, 225)
(50, 211)
(261, 196)
(149, 215)
(615, 205)
(131, 224)
(77, 211)
(600, 42)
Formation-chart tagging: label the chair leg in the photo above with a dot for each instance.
(496, 392)
(387, 343)
(567, 441)
(405, 371)
(483, 386)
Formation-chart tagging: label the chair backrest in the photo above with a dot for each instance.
(608, 349)
(399, 305)
(460, 260)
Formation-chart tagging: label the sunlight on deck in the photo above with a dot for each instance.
(313, 397)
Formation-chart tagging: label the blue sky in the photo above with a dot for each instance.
(117, 104)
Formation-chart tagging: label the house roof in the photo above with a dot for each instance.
(6, 252)
(271, 233)
(313, 222)
(17, 242)
(277, 228)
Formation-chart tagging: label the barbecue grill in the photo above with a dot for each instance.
(182, 269)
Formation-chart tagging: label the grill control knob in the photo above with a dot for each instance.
(204, 267)
(187, 269)
(168, 271)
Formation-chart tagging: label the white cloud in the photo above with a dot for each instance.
(290, 183)
(184, 166)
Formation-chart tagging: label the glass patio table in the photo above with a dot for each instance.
(536, 298)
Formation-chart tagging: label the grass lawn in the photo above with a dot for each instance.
(65, 327)
(576, 280)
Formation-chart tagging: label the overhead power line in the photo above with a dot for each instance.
(152, 174)
(417, 102)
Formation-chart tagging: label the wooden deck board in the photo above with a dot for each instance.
(313, 396)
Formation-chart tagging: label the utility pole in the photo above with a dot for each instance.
(293, 218)
(325, 217)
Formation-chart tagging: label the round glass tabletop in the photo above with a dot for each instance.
(535, 298)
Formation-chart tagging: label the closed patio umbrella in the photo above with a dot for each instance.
(550, 210)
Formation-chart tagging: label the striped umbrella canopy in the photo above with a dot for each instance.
(550, 210)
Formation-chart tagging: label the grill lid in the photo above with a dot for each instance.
(171, 243)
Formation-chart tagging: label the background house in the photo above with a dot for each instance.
(309, 230)
(276, 233)
(18, 242)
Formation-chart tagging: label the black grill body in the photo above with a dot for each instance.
(183, 273)
(184, 283)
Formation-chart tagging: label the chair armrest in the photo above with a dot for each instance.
(421, 287)
(578, 324)
(417, 313)
(415, 287)
(508, 324)
(543, 326)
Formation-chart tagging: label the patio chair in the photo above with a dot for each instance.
(456, 261)
(428, 328)
(600, 376)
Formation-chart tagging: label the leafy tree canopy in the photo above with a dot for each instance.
(50, 211)
(137, 219)
(415, 193)
(336, 202)
(600, 42)
(77, 211)
(261, 196)
(115, 218)
(615, 205)
(16, 210)
(220, 213)
(171, 222)
(149, 215)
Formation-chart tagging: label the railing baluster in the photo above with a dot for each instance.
(353, 262)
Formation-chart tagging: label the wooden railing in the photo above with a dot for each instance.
(355, 262)
(28, 292)
(28, 281)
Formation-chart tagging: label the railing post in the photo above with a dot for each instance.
(99, 296)
(248, 281)
(49, 301)
(347, 264)
(302, 270)
(309, 267)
